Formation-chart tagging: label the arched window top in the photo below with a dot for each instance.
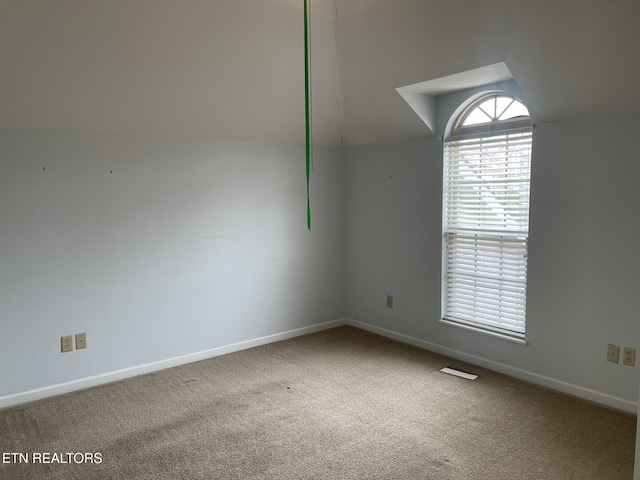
(494, 111)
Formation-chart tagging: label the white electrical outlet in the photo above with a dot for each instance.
(66, 343)
(389, 301)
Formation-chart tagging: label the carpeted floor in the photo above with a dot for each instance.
(339, 404)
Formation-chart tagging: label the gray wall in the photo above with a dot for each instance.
(583, 259)
(158, 248)
(163, 247)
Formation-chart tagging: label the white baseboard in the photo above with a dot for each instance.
(559, 385)
(548, 382)
(61, 388)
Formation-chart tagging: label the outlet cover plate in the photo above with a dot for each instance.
(66, 343)
(629, 356)
(389, 301)
(613, 353)
(81, 340)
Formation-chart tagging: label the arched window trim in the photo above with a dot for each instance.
(495, 126)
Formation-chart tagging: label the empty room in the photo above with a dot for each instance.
(291, 239)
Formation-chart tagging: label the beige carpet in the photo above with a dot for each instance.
(339, 404)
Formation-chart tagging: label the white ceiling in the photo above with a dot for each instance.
(233, 69)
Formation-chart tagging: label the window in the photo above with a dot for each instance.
(487, 166)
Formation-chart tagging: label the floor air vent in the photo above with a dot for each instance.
(459, 373)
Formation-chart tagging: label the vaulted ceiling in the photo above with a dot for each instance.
(233, 69)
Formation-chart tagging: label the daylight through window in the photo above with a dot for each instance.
(487, 167)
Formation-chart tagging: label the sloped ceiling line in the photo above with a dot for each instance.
(422, 97)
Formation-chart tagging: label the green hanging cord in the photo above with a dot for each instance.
(307, 106)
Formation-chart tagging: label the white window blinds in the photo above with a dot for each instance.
(485, 228)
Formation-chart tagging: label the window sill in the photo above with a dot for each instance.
(501, 336)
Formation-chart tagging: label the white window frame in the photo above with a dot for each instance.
(484, 232)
